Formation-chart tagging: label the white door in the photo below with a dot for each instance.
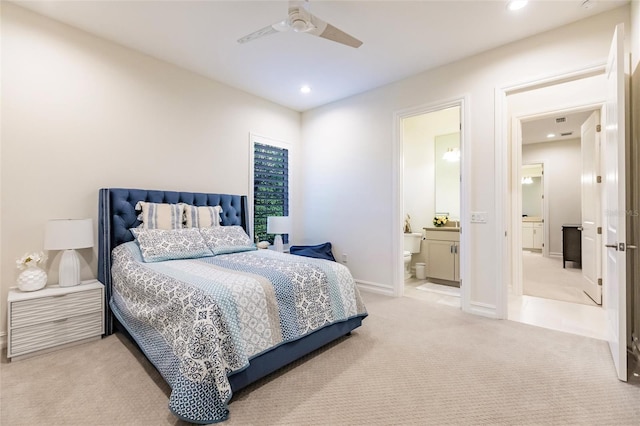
(614, 146)
(591, 245)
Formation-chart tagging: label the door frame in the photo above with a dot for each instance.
(503, 145)
(397, 217)
(516, 204)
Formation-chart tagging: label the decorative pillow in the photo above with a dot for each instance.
(227, 239)
(165, 244)
(320, 251)
(202, 216)
(160, 215)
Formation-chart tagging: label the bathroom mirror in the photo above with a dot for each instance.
(532, 190)
(447, 174)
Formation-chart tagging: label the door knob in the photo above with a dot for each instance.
(614, 246)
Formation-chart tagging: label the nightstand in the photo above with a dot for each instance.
(53, 318)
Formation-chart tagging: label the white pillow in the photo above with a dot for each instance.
(202, 216)
(166, 244)
(227, 239)
(160, 215)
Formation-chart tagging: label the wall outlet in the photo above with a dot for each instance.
(344, 257)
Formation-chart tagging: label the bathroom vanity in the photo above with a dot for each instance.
(532, 233)
(443, 254)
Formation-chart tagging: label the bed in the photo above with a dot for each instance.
(195, 318)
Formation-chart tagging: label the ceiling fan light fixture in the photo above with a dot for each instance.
(298, 25)
(513, 5)
(300, 20)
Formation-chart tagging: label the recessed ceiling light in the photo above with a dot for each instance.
(305, 89)
(551, 135)
(516, 4)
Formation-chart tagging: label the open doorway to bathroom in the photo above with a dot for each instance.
(431, 146)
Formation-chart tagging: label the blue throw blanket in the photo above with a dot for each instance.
(199, 320)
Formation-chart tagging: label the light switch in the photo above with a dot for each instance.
(478, 217)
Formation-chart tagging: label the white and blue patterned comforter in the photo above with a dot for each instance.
(200, 320)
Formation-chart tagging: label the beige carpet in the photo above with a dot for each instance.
(545, 277)
(412, 363)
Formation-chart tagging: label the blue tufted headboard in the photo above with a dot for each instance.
(116, 215)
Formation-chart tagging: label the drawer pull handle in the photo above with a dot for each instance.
(59, 295)
(60, 320)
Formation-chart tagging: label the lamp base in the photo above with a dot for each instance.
(277, 243)
(69, 270)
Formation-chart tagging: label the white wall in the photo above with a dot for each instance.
(562, 173)
(354, 137)
(80, 113)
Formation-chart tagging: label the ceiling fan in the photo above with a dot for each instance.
(300, 20)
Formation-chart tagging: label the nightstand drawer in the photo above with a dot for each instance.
(53, 333)
(47, 309)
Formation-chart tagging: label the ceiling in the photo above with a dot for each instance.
(401, 38)
(536, 131)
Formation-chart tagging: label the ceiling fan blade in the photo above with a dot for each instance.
(271, 29)
(325, 30)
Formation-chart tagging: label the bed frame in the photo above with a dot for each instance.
(117, 215)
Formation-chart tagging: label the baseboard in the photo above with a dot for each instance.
(372, 287)
(483, 309)
(555, 254)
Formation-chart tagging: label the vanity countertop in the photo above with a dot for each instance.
(442, 228)
(531, 219)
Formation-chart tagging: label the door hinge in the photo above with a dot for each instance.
(599, 281)
(598, 128)
(599, 230)
(599, 179)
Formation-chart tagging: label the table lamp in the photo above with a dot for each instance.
(69, 235)
(278, 225)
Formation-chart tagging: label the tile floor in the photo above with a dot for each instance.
(574, 318)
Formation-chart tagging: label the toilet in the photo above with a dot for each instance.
(411, 246)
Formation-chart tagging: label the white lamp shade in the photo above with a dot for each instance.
(278, 224)
(67, 234)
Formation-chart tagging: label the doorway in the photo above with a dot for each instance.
(431, 177)
(415, 187)
(549, 281)
(560, 205)
(543, 99)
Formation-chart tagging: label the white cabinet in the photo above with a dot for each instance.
(443, 253)
(532, 235)
(42, 320)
